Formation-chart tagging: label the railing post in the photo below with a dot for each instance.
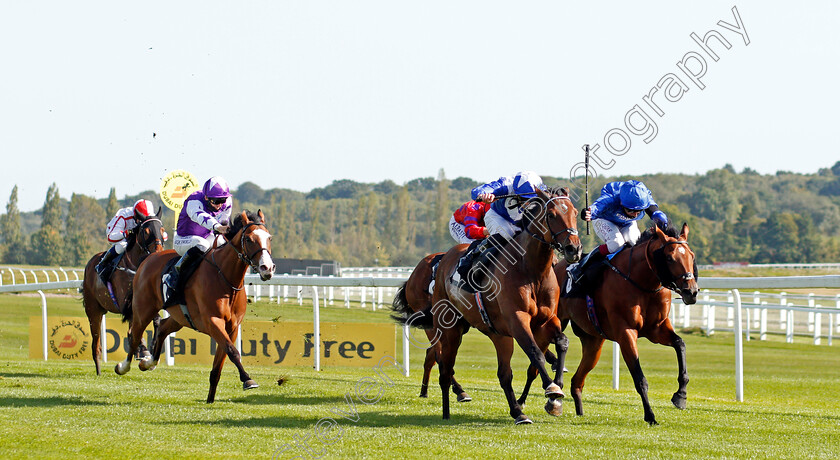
(739, 349)
(756, 317)
(316, 327)
(44, 320)
(783, 312)
(730, 311)
(817, 326)
(790, 323)
(616, 364)
(405, 347)
(103, 339)
(810, 313)
(762, 324)
(710, 314)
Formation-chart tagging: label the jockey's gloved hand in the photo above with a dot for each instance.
(661, 219)
(587, 214)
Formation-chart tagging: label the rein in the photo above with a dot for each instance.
(669, 282)
(248, 260)
(553, 243)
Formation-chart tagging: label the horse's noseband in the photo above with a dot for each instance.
(249, 259)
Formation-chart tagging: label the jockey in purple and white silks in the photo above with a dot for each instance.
(204, 216)
(504, 215)
(614, 215)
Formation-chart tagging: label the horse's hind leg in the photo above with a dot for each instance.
(95, 319)
(431, 353)
(139, 321)
(590, 354)
(162, 331)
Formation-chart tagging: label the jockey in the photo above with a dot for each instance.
(204, 216)
(614, 215)
(504, 215)
(125, 220)
(503, 218)
(467, 223)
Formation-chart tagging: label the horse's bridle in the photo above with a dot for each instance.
(665, 277)
(145, 247)
(247, 259)
(553, 243)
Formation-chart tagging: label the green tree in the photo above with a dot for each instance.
(113, 204)
(10, 230)
(442, 213)
(84, 230)
(47, 244)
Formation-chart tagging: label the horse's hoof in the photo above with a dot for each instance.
(423, 395)
(679, 401)
(147, 365)
(553, 391)
(121, 368)
(523, 420)
(249, 385)
(554, 407)
(463, 397)
(653, 422)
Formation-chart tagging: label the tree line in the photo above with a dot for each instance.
(734, 217)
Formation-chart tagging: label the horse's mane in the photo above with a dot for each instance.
(651, 232)
(238, 223)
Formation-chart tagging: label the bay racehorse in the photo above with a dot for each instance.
(98, 298)
(214, 296)
(414, 296)
(517, 299)
(632, 300)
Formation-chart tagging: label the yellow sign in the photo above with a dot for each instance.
(176, 187)
(263, 342)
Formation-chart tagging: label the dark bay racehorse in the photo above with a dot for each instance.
(214, 295)
(518, 300)
(144, 239)
(414, 296)
(633, 300)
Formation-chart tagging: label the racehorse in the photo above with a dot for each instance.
(97, 298)
(632, 300)
(215, 299)
(519, 292)
(414, 296)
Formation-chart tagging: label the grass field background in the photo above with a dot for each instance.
(62, 409)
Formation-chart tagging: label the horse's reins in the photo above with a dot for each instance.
(671, 285)
(553, 243)
(248, 260)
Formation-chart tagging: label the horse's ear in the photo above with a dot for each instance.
(540, 193)
(564, 191)
(684, 232)
(158, 213)
(261, 216)
(659, 233)
(243, 216)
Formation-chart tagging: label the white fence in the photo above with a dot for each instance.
(759, 308)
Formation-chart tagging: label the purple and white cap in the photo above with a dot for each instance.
(216, 187)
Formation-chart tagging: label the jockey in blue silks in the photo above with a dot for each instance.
(614, 215)
(504, 215)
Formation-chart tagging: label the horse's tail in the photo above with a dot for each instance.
(404, 314)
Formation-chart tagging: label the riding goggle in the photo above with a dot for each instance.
(217, 201)
(632, 212)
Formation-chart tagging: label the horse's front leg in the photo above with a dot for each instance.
(665, 335)
(235, 358)
(523, 336)
(630, 353)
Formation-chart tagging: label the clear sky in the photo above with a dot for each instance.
(296, 94)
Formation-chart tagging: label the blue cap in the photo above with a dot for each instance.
(526, 182)
(634, 195)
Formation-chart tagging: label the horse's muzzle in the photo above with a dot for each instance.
(689, 294)
(572, 253)
(266, 272)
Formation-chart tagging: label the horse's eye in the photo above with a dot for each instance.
(671, 258)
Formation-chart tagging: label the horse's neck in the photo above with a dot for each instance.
(636, 264)
(230, 264)
(538, 255)
(132, 257)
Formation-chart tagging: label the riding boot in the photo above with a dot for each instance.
(173, 279)
(465, 262)
(105, 266)
(577, 270)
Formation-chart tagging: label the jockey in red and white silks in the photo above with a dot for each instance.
(124, 221)
(467, 223)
